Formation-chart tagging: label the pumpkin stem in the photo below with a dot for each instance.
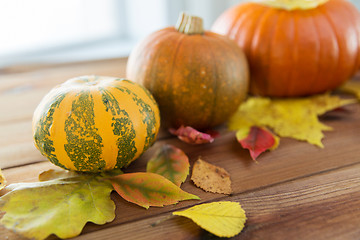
(293, 4)
(189, 24)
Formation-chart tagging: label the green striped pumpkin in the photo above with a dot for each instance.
(95, 123)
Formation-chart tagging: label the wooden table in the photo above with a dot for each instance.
(298, 191)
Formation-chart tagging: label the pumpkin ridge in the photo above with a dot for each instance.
(152, 69)
(263, 13)
(353, 20)
(170, 97)
(273, 44)
(123, 128)
(42, 135)
(84, 143)
(109, 148)
(249, 49)
(316, 30)
(58, 134)
(148, 116)
(286, 76)
(261, 24)
(293, 55)
(144, 89)
(333, 28)
(216, 80)
(237, 24)
(332, 58)
(149, 120)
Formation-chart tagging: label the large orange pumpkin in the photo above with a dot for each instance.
(295, 47)
(198, 78)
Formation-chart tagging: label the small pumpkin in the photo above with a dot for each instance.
(295, 47)
(198, 78)
(95, 123)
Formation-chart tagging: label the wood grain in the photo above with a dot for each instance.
(298, 191)
(306, 208)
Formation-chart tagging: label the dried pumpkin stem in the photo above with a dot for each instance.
(293, 4)
(189, 24)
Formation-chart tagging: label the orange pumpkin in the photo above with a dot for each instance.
(296, 47)
(198, 78)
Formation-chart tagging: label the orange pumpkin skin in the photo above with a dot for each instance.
(198, 80)
(297, 52)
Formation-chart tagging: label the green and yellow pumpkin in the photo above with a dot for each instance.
(95, 123)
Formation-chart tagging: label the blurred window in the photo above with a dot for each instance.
(33, 31)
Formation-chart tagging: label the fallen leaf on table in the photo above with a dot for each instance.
(257, 140)
(191, 135)
(295, 118)
(223, 219)
(61, 173)
(149, 189)
(352, 87)
(213, 133)
(61, 206)
(57, 174)
(2, 180)
(211, 178)
(171, 163)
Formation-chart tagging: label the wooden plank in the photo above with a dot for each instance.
(292, 160)
(296, 185)
(16, 144)
(20, 93)
(322, 207)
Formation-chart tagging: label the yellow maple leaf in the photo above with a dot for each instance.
(295, 118)
(352, 87)
(223, 219)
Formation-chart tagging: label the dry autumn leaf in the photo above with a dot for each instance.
(295, 118)
(211, 178)
(60, 206)
(257, 140)
(2, 180)
(149, 189)
(223, 219)
(352, 87)
(171, 163)
(57, 174)
(191, 135)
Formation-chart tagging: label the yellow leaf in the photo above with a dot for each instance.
(352, 87)
(276, 144)
(243, 131)
(223, 219)
(2, 180)
(295, 118)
